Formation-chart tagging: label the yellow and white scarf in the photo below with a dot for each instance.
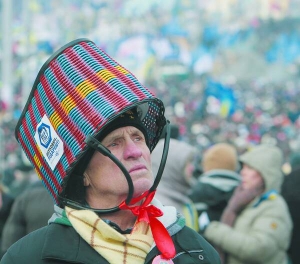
(115, 247)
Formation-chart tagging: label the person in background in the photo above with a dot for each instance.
(294, 160)
(177, 178)
(215, 186)
(89, 128)
(22, 179)
(6, 202)
(8, 177)
(256, 225)
(31, 210)
(290, 192)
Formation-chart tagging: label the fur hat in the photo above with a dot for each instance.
(221, 156)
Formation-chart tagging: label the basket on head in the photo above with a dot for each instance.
(77, 92)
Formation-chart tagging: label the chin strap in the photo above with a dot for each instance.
(148, 213)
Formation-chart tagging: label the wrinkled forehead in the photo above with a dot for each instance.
(121, 132)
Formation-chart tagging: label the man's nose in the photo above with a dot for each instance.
(132, 150)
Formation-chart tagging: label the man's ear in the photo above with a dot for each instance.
(86, 179)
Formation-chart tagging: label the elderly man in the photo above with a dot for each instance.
(88, 128)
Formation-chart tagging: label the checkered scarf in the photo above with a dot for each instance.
(113, 246)
(170, 219)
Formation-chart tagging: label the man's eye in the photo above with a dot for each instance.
(138, 138)
(112, 145)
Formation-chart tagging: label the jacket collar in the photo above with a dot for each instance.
(75, 250)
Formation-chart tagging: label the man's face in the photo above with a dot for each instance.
(106, 185)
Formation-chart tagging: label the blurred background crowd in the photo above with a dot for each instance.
(227, 70)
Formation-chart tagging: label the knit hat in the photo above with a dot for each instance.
(267, 160)
(77, 93)
(129, 118)
(221, 156)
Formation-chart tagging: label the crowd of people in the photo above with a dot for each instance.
(215, 84)
(228, 89)
(243, 204)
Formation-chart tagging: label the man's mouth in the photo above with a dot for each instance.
(137, 168)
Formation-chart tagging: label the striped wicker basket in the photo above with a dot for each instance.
(77, 92)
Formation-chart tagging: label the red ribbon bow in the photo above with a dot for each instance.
(147, 212)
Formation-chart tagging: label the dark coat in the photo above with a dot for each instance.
(30, 211)
(7, 202)
(212, 192)
(290, 192)
(60, 244)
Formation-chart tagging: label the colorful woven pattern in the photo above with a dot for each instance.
(76, 93)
